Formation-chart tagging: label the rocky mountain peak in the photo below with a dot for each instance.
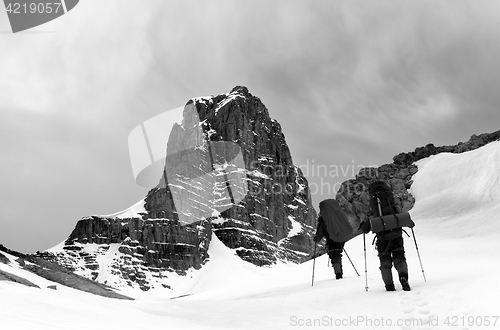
(229, 174)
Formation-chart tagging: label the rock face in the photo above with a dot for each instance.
(52, 271)
(353, 195)
(139, 249)
(228, 172)
(278, 201)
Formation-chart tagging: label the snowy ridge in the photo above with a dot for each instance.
(132, 212)
(458, 246)
(467, 197)
(228, 99)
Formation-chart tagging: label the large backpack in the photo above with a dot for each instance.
(381, 199)
(338, 227)
(385, 216)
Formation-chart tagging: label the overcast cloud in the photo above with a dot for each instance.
(352, 83)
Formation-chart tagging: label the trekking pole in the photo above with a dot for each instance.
(314, 263)
(366, 271)
(351, 262)
(418, 253)
(379, 207)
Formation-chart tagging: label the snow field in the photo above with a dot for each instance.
(457, 222)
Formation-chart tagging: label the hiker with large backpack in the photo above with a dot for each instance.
(387, 223)
(335, 227)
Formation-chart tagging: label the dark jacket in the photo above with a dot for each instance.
(320, 230)
(331, 245)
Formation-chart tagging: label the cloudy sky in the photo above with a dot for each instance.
(352, 83)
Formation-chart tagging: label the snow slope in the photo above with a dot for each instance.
(460, 193)
(456, 216)
(131, 212)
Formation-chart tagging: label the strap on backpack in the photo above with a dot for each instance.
(392, 211)
(380, 214)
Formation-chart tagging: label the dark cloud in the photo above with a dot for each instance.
(352, 83)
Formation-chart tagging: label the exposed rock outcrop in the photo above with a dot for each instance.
(475, 141)
(159, 242)
(353, 195)
(6, 276)
(4, 259)
(53, 271)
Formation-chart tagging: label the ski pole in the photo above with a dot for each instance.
(366, 271)
(351, 262)
(314, 263)
(418, 253)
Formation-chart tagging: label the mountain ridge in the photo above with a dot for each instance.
(262, 210)
(353, 194)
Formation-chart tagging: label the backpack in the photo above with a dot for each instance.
(385, 216)
(337, 225)
(380, 191)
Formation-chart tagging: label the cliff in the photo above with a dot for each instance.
(229, 172)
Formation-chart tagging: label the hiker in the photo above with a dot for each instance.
(334, 225)
(390, 245)
(334, 249)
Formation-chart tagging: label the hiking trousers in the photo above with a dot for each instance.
(391, 252)
(335, 253)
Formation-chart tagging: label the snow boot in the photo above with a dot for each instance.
(404, 282)
(337, 268)
(390, 287)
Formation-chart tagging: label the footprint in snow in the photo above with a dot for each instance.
(424, 311)
(417, 309)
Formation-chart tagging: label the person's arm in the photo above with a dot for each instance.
(320, 230)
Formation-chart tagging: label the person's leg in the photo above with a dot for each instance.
(385, 263)
(398, 254)
(337, 268)
(335, 252)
